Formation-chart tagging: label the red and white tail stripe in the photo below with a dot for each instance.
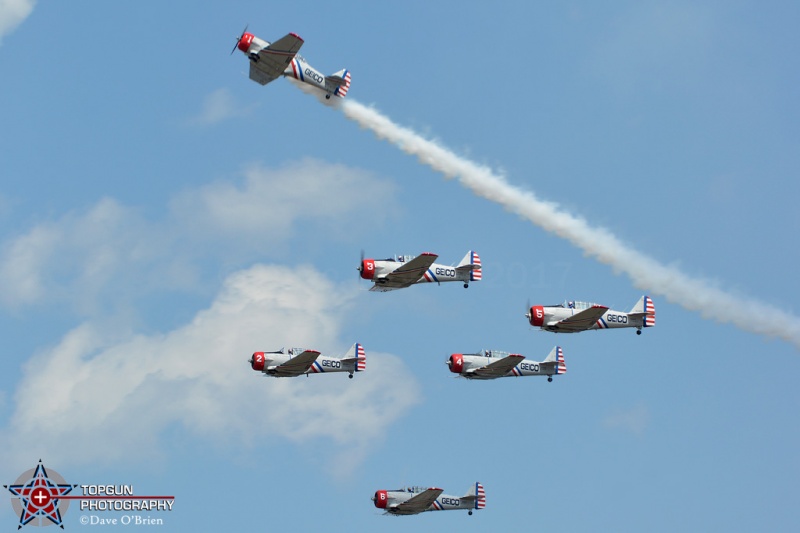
(650, 310)
(561, 368)
(477, 274)
(362, 358)
(480, 502)
(341, 91)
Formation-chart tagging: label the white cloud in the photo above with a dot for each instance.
(77, 256)
(634, 420)
(219, 106)
(271, 201)
(96, 396)
(13, 13)
(110, 254)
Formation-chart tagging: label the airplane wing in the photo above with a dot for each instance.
(382, 288)
(408, 273)
(418, 503)
(274, 59)
(580, 321)
(296, 365)
(498, 368)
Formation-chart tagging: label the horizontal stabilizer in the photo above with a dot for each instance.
(477, 494)
(356, 356)
(471, 263)
(555, 361)
(645, 308)
(341, 80)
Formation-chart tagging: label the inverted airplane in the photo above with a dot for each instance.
(572, 317)
(403, 271)
(415, 500)
(298, 361)
(491, 364)
(270, 61)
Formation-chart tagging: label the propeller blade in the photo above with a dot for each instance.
(239, 38)
(360, 267)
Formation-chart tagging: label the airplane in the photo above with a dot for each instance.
(572, 317)
(415, 500)
(403, 271)
(270, 61)
(491, 364)
(299, 361)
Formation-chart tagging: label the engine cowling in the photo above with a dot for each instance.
(245, 41)
(537, 315)
(381, 499)
(456, 363)
(257, 362)
(367, 268)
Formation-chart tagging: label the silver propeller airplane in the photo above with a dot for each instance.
(491, 364)
(406, 270)
(415, 500)
(572, 317)
(270, 61)
(299, 361)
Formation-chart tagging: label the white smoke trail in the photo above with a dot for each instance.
(645, 272)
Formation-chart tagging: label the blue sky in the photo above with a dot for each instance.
(162, 217)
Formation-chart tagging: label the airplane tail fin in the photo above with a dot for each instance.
(646, 307)
(471, 262)
(357, 356)
(556, 355)
(342, 79)
(361, 364)
(477, 493)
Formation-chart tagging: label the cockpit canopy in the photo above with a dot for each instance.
(400, 258)
(574, 304)
(496, 354)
